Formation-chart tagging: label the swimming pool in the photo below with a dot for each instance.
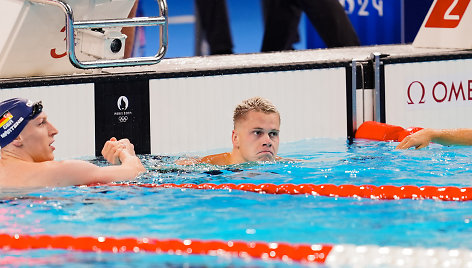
(133, 211)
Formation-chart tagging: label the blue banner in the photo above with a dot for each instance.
(375, 21)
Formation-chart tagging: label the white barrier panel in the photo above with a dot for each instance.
(434, 94)
(70, 108)
(195, 114)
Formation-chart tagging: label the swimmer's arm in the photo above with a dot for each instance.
(460, 136)
(422, 138)
(78, 172)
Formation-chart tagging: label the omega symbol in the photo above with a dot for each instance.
(423, 91)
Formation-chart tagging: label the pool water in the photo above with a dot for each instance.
(131, 211)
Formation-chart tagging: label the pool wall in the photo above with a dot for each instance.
(184, 105)
(195, 114)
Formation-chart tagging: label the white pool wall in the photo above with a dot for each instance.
(195, 114)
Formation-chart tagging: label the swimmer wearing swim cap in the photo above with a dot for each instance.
(255, 136)
(16, 113)
(27, 153)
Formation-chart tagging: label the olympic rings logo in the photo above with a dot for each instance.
(123, 119)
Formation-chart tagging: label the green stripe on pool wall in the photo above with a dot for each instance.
(122, 111)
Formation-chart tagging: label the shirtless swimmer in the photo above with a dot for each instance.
(255, 136)
(27, 152)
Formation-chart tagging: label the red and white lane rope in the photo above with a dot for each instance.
(259, 250)
(447, 193)
(375, 256)
(332, 256)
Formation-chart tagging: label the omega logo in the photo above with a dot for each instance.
(410, 101)
(440, 92)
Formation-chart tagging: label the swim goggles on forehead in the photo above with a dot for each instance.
(36, 109)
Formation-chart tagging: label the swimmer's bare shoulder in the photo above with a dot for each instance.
(284, 159)
(222, 159)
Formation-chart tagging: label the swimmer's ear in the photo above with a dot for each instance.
(235, 139)
(18, 142)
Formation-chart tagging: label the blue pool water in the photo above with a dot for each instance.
(130, 211)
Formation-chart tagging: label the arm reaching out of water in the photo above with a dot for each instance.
(422, 138)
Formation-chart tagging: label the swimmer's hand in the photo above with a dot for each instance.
(118, 151)
(111, 151)
(121, 152)
(418, 140)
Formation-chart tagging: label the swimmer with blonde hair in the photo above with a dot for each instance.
(27, 153)
(255, 135)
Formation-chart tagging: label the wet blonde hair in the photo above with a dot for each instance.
(257, 104)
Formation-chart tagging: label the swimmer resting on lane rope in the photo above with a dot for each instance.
(414, 137)
(27, 153)
(255, 136)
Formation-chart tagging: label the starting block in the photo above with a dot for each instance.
(447, 25)
(57, 37)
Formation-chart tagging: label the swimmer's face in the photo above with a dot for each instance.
(37, 138)
(256, 137)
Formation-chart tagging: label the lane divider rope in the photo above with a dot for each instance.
(332, 256)
(259, 250)
(385, 192)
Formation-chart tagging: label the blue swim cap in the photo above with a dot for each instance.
(15, 114)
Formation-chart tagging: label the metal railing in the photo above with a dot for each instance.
(72, 25)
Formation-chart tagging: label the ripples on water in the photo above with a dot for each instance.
(130, 211)
(331, 161)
